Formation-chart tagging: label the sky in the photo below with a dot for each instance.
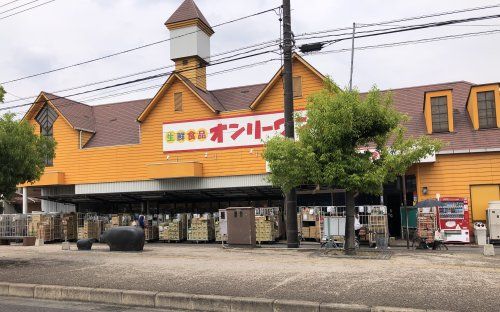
(65, 32)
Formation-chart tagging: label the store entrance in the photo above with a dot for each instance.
(393, 199)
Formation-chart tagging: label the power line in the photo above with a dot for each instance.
(258, 46)
(6, 4)
(90, 99)
(28, 9)
(404, 19)
(414, 27)
(132, 49)
(19, 6)
(409, 42)
(141, 79)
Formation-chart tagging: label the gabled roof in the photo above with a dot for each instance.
(221, 100)
(188, 10)
(277, 77)
(79, 115)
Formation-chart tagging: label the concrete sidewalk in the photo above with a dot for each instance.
(181, 302)
(425, 280)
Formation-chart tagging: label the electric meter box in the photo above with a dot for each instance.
(241, 226)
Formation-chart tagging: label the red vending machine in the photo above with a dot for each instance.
(453, 219)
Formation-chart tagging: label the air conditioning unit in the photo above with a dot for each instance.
(493, 220)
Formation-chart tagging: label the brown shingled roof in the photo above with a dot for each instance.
(227, 99)
(116, 124)
(238, 97)
(188, 10)
(79, 115)
(410, 101)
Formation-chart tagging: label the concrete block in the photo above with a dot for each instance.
(76, 294)
(48, 292)
(4, 289)
(22, 290)
(242, 304)
(66, 246)
(337, 307)
(39, 242)
(102, 295)
(174, 301)
(212, 303)
(488, 250)
(391, 309)
(138, 298)
(295, 306)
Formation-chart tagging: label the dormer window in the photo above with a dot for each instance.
(486, 109)
(439, 109)
(46, 119)
(483, 106)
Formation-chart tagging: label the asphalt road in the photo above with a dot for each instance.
(12, 304)
(424, 279)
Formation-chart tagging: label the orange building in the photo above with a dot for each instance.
(193, 149)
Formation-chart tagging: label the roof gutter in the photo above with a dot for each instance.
(469, 151)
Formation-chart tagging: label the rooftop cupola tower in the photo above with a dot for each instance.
(190, 42)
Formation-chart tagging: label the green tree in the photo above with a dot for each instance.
(22, 153)
(332, 149)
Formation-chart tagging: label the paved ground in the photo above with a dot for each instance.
(11, 304)
(454, 280)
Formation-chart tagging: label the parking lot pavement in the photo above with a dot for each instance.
(451, 280)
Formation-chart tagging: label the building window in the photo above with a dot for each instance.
(178, 102)
(46, 119)
(486, 109)
(439, 109)
(297, 86)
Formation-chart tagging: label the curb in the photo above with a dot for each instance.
(182, 301)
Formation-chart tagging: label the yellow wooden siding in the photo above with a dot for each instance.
(193, 69)
(481, 195)
(130, 162)
(311, 83)
(455, 175)
(85, 137)
(452, 175)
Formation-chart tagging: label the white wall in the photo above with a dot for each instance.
(189, 41)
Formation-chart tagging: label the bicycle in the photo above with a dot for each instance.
(333, 243)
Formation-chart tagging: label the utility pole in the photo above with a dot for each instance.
(291, 196)
(352, 55)
(350, 210)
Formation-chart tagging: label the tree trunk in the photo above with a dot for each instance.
(349, 224)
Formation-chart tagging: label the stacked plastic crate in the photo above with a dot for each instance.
(202, 228)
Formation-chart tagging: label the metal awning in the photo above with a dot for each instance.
(181, 196)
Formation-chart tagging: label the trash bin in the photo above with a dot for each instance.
(480, 233)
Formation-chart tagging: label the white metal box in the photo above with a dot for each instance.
(493, 220)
